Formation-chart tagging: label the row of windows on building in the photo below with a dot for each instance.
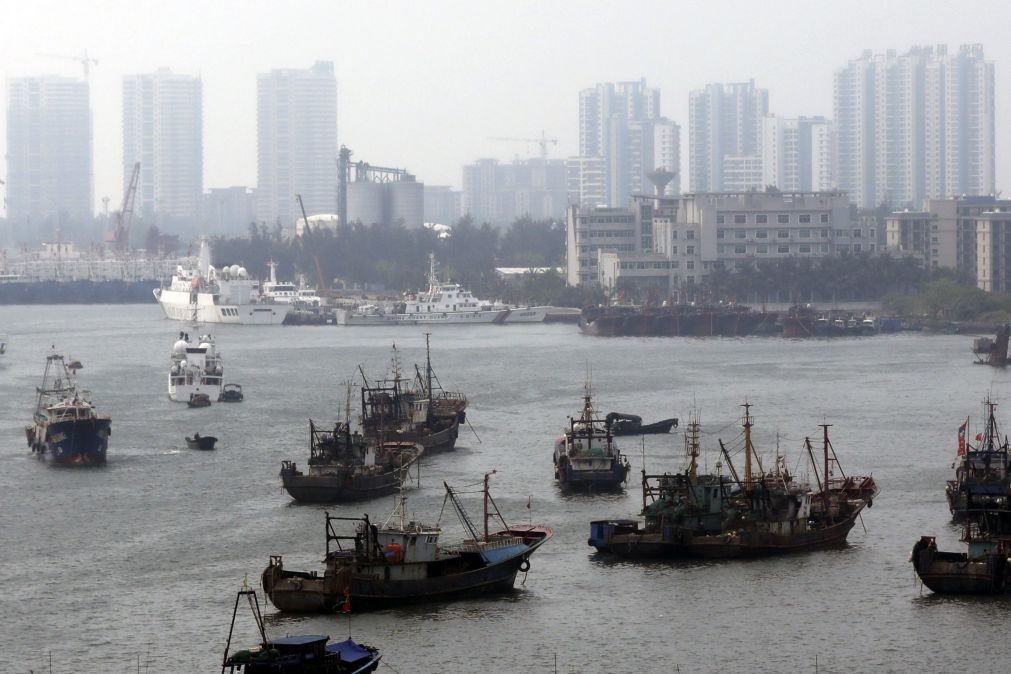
(763, 218)
(787, 234)
(661, 264)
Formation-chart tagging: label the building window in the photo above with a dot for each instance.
(690, 264)
(783, 234)
(824, 218)
(741, 234)
(690, 280)
(784, 249)
(719, 233)
(740, 219)
(856, 247)
(689, 250)
(805, 219)
(761, 234)
(856, 233)
(762, 250)
(690, 235)
(870, 233)
(783, 218)
(761, 219)
(805, 233)
(674, 235)
(824, 233)
(673, 250)
(740, 250)
(675, 264)
(805, 249)
(824, 247)
(719, 219)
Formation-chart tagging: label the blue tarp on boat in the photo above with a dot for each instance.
(349, 650)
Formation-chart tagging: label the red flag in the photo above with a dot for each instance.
(961, 438)
(979, 437)
(346, 608)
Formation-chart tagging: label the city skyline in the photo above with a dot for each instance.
(435, 112)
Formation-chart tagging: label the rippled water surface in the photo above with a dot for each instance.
(134, 566)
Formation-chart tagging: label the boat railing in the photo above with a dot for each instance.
(493, 543)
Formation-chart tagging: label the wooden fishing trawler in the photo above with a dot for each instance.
(982, 569)
(981, 471)
(587, 457)
(424, 413)
(768, 513)
(344, 466)
(301, 654)
(402, 561)
(631, 424)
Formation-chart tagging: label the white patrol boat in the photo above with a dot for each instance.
(195, 369)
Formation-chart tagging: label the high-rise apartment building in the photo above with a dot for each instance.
(163, 132)
(915, 126)
(49, 152)
(725, 136)
(798, 154)
(296, 142)
(620, 123)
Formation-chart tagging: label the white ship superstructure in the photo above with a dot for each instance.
(281, 292)
(195, 368)
(210, 295)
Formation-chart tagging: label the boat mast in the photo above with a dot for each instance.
(824, 448)
(692, 448)
(748, 449)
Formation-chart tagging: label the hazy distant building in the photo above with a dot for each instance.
(916, 125)
(229, 210)
(993, 250)
(725, 136)
(381, 195)
(163, 131)
(620, 123)
(798, 154)
(49, 152)
(585, 181)
(499, 193)
(443, 204)
(296, 142)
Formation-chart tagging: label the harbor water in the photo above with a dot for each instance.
(134, 566)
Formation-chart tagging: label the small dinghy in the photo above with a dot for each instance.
(199, 400)
(201, 441)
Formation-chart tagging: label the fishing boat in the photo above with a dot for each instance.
(982, 569)
(231, 393)
(208, 294)
(421, 411)
(302, 654)
(3, 344)
(762, 513)
(981, 470)
(345, 466)
(402, 561)
(66, 428)
(587, 457)
(444, 302)
(201, 441)
(631, 424)
(195, 368)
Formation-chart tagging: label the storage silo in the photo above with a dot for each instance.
(365, 202)
(407, 202)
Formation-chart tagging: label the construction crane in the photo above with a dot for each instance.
(85, 61)
(121, 235)
(542, 141)
(324, 287)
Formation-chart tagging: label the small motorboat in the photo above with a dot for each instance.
(199, 400)
(231, 393)
(631, 424)
(201, 441)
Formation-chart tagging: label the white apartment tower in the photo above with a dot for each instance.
(296, 142)
(798, 154)
(620, 123)
(163, 131)
(915, 126)
(725, 136)
(49, 151)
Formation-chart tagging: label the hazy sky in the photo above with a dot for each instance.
(424, 85)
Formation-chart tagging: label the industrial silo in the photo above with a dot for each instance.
(365, 202)
(407, 202)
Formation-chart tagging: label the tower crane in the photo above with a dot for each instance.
(121, 235)
(85, 61)
(324, 287)
(542, 141)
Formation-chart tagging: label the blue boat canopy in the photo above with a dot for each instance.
(349, 650)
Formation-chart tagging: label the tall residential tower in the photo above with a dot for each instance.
(725, 136)
(296, 142)
(163, 131)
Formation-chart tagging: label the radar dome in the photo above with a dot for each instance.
(205, 345)
(234, 270)
(179, 347)
(242, 272)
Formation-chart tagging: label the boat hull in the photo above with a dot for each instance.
(764, 544)
(527, 315)
(176, 305)
(573, 479)
(344, 487)
(350, 318)
(955, 573)
(81, 442)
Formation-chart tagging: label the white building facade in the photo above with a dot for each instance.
(724, 121)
